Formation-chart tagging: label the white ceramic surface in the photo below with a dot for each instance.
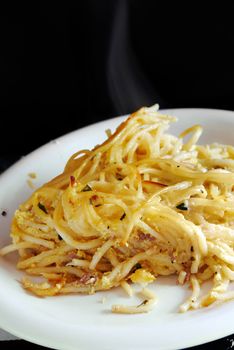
(83, 322)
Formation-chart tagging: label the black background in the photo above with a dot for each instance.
(69, 64)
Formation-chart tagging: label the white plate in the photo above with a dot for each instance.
(83, 322)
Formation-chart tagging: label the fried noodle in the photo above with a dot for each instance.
(141, 205)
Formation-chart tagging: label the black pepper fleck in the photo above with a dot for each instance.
(123, 216)
(143, 303)
(136, 267)
(42, 207)
(86, 189)
(182, 206)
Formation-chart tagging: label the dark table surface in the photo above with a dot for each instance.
(222, 344)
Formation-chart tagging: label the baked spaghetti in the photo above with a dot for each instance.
(141, 205)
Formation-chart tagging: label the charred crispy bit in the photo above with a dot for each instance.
(187, 277)
(72, 255)
(96, 201)
(145, 236)
(203, 268)
(171, 253)
(88, 278)
(72, 180)
(119, 176)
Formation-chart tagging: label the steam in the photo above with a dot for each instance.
(128, 86)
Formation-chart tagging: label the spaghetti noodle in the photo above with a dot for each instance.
(141, 205)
